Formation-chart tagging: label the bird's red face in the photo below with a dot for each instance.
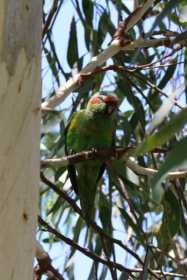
(110, 101)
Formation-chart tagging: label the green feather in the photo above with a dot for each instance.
(88, 129)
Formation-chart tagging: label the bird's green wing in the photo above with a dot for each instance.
(71, 168)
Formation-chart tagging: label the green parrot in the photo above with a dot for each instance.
(90, 128)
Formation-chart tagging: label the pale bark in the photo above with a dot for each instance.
(20, 87)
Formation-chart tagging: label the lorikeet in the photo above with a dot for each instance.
(91, 128)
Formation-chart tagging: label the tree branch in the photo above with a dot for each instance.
(74, 82)
(96, 258)
(85, 251)
(131, 71)
(132, 19)
(44, 265)
(96, 228)
(140, 170)
(110, 154)
(50, 17)
(144, 274)
(87, 155)
(116, 45)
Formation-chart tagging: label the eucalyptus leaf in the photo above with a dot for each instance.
(162, 112)
(168, 131)
(176, 159)
(171, 219)
(183, 14)
(105, 213)
(129, 222)
(72, 55)
(169, 6)
(168, 74)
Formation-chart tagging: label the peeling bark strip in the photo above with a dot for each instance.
(20, 87)
(20, 30)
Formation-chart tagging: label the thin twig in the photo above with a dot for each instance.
(44, 265)
(131, 71)
(178, 48)
(87, 155)
(115, 46)
(50, 17)
(96, 258)
(144, 274)
(85, 251)
(76, 81)
(140, 170)
(122, 190)
(97, 229)
(110, 154)
(112, 270)
(132, 19)
(153, 86)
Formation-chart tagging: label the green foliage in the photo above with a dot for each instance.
(72, 55)
(171, 220)
(175, 160)
(168, 131)
(105, 212)
(164, 13)
(168, 75)
(132, 206)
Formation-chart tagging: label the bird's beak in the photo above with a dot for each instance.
(110, 108)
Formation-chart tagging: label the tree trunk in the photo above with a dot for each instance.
(20, 87)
